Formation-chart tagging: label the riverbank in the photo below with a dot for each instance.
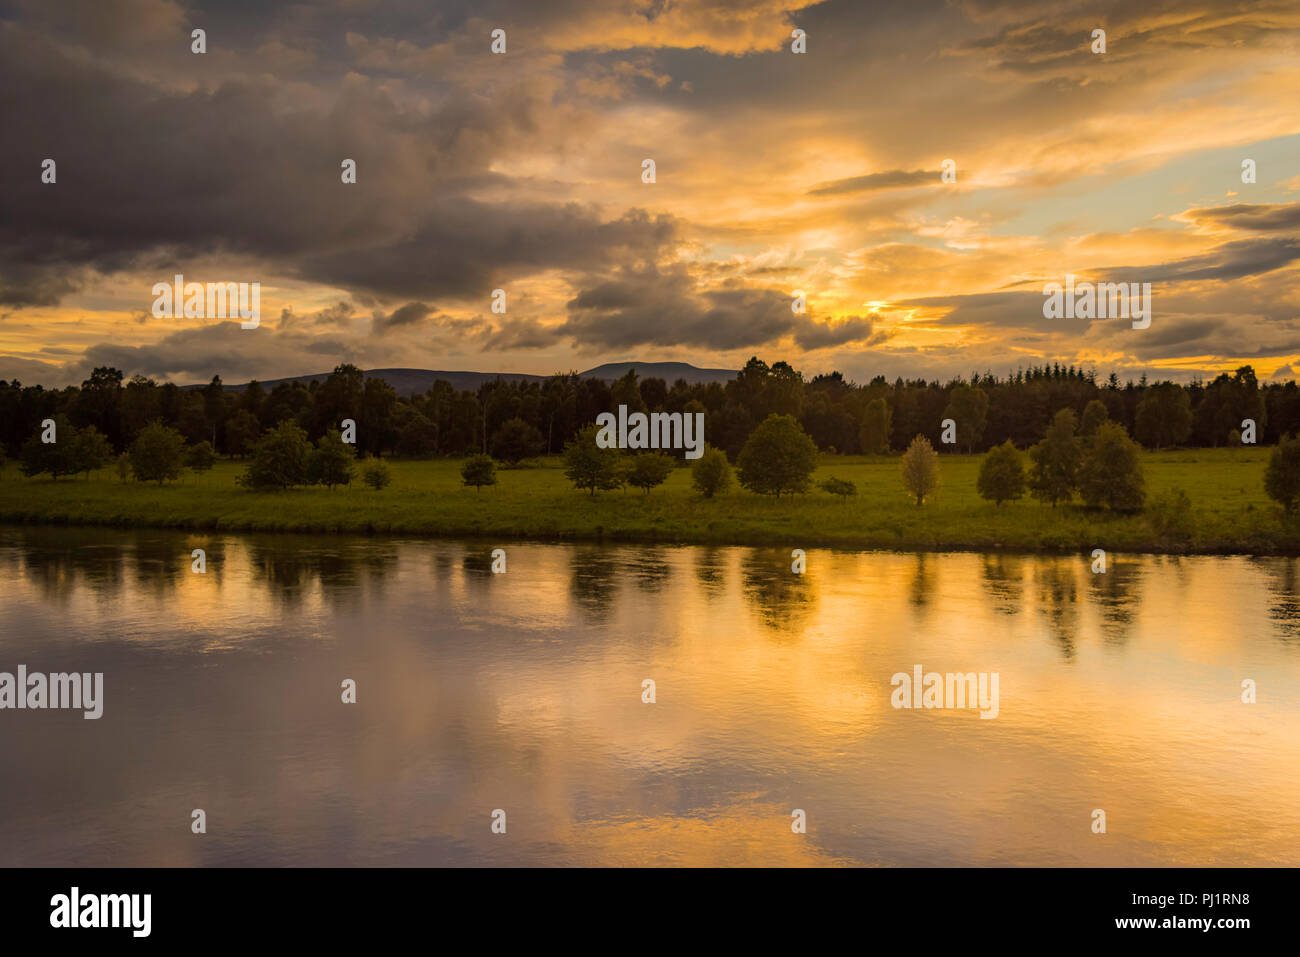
(1229, 511)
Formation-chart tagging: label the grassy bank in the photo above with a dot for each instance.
(1230, 512)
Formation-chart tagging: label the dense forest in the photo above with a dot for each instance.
(840, 415)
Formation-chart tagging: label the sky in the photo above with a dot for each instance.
(775, 173)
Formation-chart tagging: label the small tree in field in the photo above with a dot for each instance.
(838, 486)
(91, 450)
(157, 453)
(376, 474)
(650, 469)
(1002, 474)
(1282, 476)
(516, 440)
(920, 468)
(479, 470)
(1111, 472)
(711, 473)
(55, 457)
(331, 462)
(1054, 474)
(778, 458)
(279, 459)
(590, 467)
(200, 457)
(123, 467)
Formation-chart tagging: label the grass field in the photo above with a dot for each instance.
(1230, 512)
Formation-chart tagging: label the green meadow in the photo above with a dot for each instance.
(1229, 510)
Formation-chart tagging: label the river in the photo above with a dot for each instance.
(522, 693)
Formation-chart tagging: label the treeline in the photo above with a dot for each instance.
(515, 420)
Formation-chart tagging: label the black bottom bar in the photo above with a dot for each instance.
(330, 906)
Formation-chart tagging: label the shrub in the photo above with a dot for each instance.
(57, 458)
(376, 474)
(279, 459)
(838, 486)
(479, 470)
(711, 473)
(200, 457)
(157, 453)
(649, 469)
(331, 462)
(91, 450)
(1282, 476)
(516, 440)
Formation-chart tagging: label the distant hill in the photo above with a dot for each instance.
(407, 382)
(670, 372)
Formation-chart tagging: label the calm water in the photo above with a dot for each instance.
(523, 692)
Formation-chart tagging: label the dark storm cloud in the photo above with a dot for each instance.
(410, 314)
(1002, 310)
(1262, 218)
(893, 179)
(148, 177)
(654, 306)
(858, 330)
(1234, 260)
(198, 354)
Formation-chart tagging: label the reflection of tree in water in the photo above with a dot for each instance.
(159, 562)
(711, 569)
(214, 551)
(783, 599)
(1283, 585)
(593, 581)
(1114, 592)
(476, 569)
(1004, 577)
(58, 560)
(289, 566)
(1058, 598)
(921, 593)
(650, 568)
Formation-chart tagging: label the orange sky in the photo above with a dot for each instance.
(776, 172)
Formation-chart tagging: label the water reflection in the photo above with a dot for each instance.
(1004, 580)
(783, 599)
(1115, 594)
(524, 691)
(1056, 580)
(1284, 596)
